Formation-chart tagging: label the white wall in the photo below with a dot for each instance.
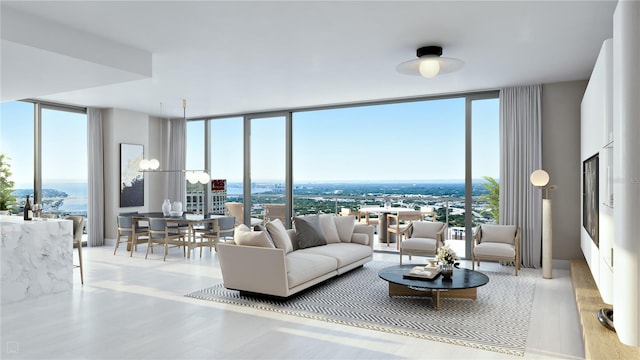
(596, 138)
(124, 126)
(560, 156)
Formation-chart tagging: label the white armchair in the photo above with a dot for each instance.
(497, 243)
(425, 239)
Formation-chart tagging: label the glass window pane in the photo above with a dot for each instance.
(227, 156)
(16, 142)
(486, 160)
(195, 161)
(268, 163)
(64, 163)
(410, 153)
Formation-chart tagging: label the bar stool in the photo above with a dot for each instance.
(78, 230)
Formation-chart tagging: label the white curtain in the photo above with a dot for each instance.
(177, 160)
(95, 153)
(520, 155)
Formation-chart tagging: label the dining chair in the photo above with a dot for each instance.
(237, 211)
(428, 213)
(127, 227)
(275, 211)
(161, 234)
(219, 230)
(345, 211)
(400, 223)
(78, 230)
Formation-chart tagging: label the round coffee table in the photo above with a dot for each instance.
(463, 284)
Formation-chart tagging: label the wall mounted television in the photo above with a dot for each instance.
(590, 202)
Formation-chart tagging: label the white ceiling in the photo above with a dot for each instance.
(238, 57)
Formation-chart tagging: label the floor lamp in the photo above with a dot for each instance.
(540, 178)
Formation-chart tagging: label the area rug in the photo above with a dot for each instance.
(498, 320)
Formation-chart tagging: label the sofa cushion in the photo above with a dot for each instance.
(498, 233)
(345, 225)
(329, 228)
(279, 235)
(420, 244)
(244, 236)
(344, 253)
(360, 238)
(426, 229)
(494, 249)
(303, 267)
(309, 231)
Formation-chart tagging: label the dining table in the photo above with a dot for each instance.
(382, 212)
(186, 219)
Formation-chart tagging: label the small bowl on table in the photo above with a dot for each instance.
(174, 213)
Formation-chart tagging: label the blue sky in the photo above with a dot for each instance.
(64, 144)
(410, 141)
(395, 142)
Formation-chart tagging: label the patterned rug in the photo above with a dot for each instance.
(497, 321)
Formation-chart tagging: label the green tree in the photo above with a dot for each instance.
(493, 197)
(6, 185)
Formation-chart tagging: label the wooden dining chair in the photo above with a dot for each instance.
(161, 234)
(78, 230)
(127, 228)
(214, 232)
(400, 224)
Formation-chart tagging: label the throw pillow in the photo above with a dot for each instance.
(278, 233)
(260, 227)
(498, 233)
(360, 238)
(244, 236)
(239, 229)
(426, 229)
(345, 225)
(329, 228)
(309, 231)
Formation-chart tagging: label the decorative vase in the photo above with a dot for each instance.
(177, 206)
(447, 271)
(166, 207)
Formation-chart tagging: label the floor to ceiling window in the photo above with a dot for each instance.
(195, 160)
(411, 153)
(17, 144)
(268, 164)
(47, 148)
(64, 162)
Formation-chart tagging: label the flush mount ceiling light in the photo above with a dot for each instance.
(429, 63)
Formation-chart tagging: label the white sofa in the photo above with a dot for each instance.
(282, 268)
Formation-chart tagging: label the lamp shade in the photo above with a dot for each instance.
(154, 164)
(539, 178)
(429, 63)
(143, 164)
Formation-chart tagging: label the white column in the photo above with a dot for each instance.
(547, 240)
(626, 150)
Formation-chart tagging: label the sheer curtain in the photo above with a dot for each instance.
(95, 153)
(177, 160)
(520, 155)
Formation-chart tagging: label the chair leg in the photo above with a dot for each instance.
(134, 244)
(117, 244)
(80, 258)
(473, 262)
(149, 245)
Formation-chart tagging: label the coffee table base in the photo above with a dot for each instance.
(403, 290)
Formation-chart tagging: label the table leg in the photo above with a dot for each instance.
(435, 296)
(382, 227)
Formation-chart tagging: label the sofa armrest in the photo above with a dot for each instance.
(365, 229)
(254, 269)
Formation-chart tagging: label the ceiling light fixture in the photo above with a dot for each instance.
(429, 63)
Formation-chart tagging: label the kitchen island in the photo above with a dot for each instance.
(37, 257)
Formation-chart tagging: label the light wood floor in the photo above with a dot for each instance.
(132, 308)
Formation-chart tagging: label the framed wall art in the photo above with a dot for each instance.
(131, 178)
